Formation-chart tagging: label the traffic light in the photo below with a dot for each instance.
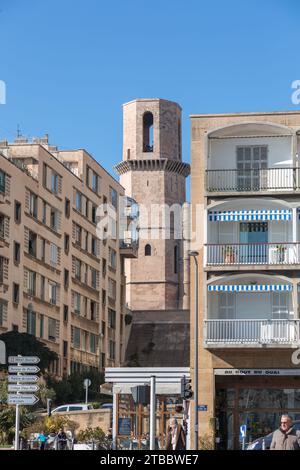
(186, 388)
(49, 406)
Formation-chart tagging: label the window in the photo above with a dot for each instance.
(17, 252)
(78, 201)
(94, 182)
(148, 132)
(66, 313)
(93, 307)
(103, 297)
(111, 318)
(78, 232)
(53, 293)
(44, 213)
(76, 337)
(176, 259)
(65, 349)
(2, 226)
(18, 208)
(94, 214)
(226, 306)
(54, 219)
(43, 283)
(2, 182)
(67, 207)
(41, 326)
(148, 250)
(103, 267)
(94, 276)
(112, 258)
(33, 205)
(32, 243)
(53, 254)
(112, 286)
(86, 242)
(31, 283)
(3, 307)
(103, 326)
(43, 249)
(16, 290)
(92, 343)
(94, 246)
(54, 182)
(280, 305)
(112, 349)
(67, 243)
(66, 278)
(114, 198)
(250, 160)
(77, 263)
(77, 301)
(31, 322)
(51, 329)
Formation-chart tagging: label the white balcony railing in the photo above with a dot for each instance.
(252, 331)
(253, 253)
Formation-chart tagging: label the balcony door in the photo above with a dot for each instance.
(251, 159)
(254, 237)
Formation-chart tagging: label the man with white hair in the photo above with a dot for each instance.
(286, 437)
(176, 436)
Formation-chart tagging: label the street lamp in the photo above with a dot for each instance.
(195, 254)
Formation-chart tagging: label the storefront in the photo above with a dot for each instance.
(131, 422)
(255, 398)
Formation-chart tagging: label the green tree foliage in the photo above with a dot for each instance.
(27, 345)
(7, 422)
(71, 389)
(91, 434)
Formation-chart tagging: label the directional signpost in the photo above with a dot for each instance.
(19, 384)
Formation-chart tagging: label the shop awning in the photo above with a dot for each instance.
(250, 288)
(250, 215)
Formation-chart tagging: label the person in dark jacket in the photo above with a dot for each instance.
(61, 439)
(286, 437)
(176, 439)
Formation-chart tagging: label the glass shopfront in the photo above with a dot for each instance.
(133, 423)
(257, 403)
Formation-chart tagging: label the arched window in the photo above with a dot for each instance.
(148, 250)
(148, 132)
(176, 259)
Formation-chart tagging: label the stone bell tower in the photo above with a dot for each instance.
(152, 173)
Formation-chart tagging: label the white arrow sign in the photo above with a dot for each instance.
(23, 369)
(23, 378)
(23, 360)
(22, 399)
(23, 388)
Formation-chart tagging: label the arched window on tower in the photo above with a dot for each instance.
(148, 132)
(175, 259)
(148, 250)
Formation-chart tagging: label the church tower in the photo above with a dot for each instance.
(153, 174)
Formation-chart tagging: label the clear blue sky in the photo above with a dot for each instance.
(70, 64)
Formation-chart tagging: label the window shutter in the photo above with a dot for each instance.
(6, 227)
(73, 300)
(59, 184)
(26, 239)
(72, 334)
(25, 280)
(27, 197)
(58, 256)
(73, 231)
(73, 266)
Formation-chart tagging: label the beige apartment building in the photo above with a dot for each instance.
(246, 211)
(59, 280)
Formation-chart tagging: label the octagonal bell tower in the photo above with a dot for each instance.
(153, 174)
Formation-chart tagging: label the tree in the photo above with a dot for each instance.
(27, 345)
(7, 422)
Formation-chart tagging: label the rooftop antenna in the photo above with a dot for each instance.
(19, 133)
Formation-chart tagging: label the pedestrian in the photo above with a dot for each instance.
(176, 439)
(61, 439)
(43, 439)
(286, 437)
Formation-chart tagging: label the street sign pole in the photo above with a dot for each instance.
(152, 412)
(17, 426)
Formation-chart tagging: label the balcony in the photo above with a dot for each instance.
(129, 248)
(252, 333)
(241, 254)
(252, 180)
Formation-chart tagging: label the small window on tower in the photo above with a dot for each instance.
(148, 250)
(148, 132)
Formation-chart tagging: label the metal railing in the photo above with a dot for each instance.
(269, 179)
(251, 331)
(235, 254)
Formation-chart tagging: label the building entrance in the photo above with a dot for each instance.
(257, 402)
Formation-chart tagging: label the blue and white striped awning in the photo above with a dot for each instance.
(264, 214)
(250, 288)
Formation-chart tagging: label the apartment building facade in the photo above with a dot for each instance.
(246, 188)
(59, 281)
